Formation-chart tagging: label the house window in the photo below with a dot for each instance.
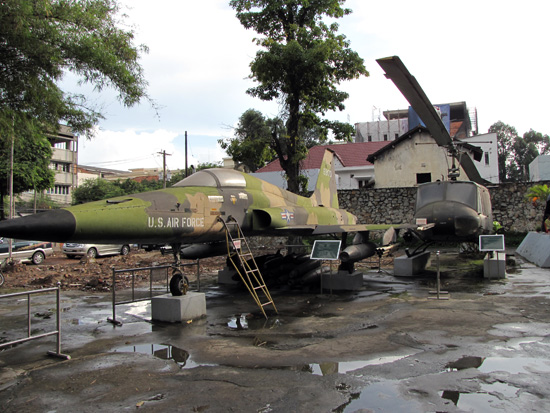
(423, 178)
(59, 190)
(370, 138)
(396, 135)
(486, 158)
(385, 137)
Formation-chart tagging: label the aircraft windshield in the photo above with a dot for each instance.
(462, 192)
(217, 177)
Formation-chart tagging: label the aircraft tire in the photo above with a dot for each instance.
(179, 284)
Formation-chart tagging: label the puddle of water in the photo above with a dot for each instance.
(85, 321)
(242, 322)
(162, 351)
(467, 362)
(324, 369)
(511, 365)
(492, 397)
(348, 366)
(515, 365)
(517, 343)
(140, 309)
(382, 397)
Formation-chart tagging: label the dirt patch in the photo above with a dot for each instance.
(95, 274)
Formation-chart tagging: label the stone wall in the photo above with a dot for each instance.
(396, 205)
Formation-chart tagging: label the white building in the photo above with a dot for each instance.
(539, 169)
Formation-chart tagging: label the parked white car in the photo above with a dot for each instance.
(73, 250)
(26, 251)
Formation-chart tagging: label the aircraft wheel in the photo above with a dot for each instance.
(179, 284)
(38, 258)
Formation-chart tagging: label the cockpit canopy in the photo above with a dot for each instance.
(461, 192)
(216, 177)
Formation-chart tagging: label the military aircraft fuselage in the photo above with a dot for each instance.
(188, 212)
(459, 210)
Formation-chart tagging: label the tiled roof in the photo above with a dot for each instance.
(349, 154)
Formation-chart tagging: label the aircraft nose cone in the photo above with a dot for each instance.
(57, 226)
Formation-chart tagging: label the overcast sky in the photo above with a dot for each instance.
(490, 54)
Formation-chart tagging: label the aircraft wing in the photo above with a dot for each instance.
(339, 229)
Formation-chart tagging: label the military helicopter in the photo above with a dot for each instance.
(452, 210)
(192, 214)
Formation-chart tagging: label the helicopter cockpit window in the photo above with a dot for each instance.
(214, 177)
(429, 193)
(463, 192)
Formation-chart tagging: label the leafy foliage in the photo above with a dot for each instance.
(42, 40)
(515, 153)
(302, 61)
(252, 143)
(506, 136)
(537, 194)
(97, 189)
(31, 157)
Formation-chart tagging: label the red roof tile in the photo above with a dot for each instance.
(350, 154)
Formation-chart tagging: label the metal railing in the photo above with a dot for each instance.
(153, 271)
(29, 337)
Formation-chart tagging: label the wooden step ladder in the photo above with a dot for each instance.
(248, 270)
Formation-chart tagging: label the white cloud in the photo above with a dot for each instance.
(485, 53)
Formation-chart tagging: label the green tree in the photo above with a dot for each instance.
(506, 136)
(302, 61)
(525, 150)
(515, 153)
(252, 145)
(31, 157)
(95, 190)
(42, 40)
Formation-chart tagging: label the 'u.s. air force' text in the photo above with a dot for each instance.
(175, 222)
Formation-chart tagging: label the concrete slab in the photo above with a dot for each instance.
(404, 266)
(494, 267)
(172, 309)
(342, 281)
(535, 248)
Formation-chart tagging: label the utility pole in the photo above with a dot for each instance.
(11, 213)
(186, 154)
(164, 154)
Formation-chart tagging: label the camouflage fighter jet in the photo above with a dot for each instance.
(190, 212)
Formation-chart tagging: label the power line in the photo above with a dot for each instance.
(120, 161)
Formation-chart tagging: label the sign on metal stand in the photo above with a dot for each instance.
(440, 295)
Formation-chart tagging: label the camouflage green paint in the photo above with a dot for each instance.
(188, 214)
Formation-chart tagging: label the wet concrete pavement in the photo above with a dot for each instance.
(388, 347)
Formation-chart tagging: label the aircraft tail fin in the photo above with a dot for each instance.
(325, 193)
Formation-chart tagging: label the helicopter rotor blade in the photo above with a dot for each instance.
(469, 167)
(410, 88)
(397, 72)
